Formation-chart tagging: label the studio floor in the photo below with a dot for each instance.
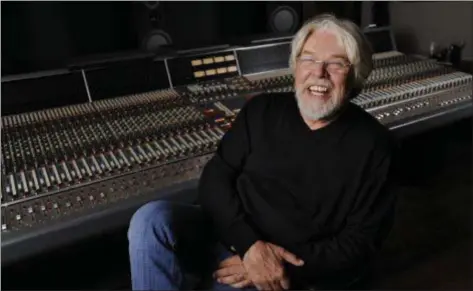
(430, 246)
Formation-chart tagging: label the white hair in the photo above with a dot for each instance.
(349, 35)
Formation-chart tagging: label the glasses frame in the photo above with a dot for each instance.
(325, 65)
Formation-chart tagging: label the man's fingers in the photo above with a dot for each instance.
(232, 279)
(227, 271)
(291, 258)
(268, 286)
(261, 287)
(242, 284)
(233, 260)
(288, 256)
(276, 286)
(285, 283)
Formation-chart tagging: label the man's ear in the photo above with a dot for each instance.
(354, 89)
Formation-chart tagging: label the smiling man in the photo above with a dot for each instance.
(299, 193)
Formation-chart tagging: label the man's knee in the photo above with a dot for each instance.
(150, 223)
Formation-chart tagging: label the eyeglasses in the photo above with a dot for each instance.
(308, 62)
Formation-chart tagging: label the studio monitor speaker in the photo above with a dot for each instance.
(175, 25)
(150, 18)
(284, 17)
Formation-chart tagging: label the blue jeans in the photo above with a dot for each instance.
(172, 247)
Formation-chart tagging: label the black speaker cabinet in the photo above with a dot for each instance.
(284, 17)
(150, 26)
(180, 25)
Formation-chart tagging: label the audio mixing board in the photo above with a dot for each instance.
(137, 132)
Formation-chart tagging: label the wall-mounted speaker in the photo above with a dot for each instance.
(177, 25)
(284, 17)
(151, 33)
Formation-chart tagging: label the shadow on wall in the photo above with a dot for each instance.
(407, 41)
(417, 24)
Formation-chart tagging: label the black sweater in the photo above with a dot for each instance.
(324, 195)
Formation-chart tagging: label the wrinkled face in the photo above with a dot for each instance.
(321, 74)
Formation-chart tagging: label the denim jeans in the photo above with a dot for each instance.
(172, 247)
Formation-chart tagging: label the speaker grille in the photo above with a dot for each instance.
(284, 19)
(156, 39)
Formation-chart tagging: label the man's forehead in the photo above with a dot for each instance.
(325, 43)
(332, 55)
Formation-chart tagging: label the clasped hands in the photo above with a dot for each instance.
(262, 267)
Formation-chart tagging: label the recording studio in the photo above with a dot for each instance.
(106, 106)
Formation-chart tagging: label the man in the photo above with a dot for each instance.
(298, 194)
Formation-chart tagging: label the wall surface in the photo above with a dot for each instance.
(417, 24)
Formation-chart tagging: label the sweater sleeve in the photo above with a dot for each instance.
(367, 225)
(217, 187)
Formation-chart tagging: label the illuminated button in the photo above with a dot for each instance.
(208, 61)
(210, 72)
(229, 58)
(222, 70)
(196, 62)
(199, 74)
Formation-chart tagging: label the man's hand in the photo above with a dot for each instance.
(264, 264)
(232, 272)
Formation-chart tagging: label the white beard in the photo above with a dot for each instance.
(316, 108)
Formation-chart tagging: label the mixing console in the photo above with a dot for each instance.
(273, 82)
(418, 97)
(77, 167)
(67, 160)
(389, 58)
(210, 91)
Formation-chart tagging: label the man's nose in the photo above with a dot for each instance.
(319, 70)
